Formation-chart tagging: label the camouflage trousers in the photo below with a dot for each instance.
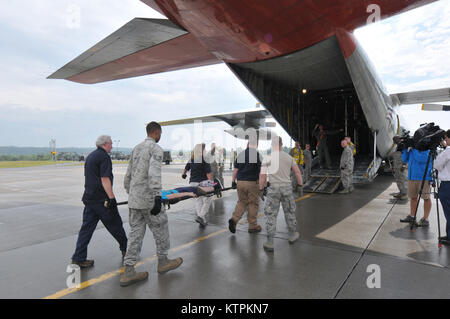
(401, 179)
(220, 175)
(214, 170)
(294, 178)
(307, 175)
(277, 194)
(347, 178)
(139, 219)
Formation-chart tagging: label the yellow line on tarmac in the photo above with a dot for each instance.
(304, 197)
(115, 273)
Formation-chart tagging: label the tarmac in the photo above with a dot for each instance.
(350, 246)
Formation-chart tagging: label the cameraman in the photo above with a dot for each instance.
(417, 162)
(442, 164)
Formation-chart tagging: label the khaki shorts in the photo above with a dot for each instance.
(414, 188)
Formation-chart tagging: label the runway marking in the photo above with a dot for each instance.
(117, 272)
(304, 197)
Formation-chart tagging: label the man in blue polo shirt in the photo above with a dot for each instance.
(100, 202)
(246, 171)
(417, 162)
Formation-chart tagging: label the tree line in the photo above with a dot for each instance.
(35, 157)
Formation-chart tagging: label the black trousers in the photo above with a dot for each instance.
(444, 197)
(92, 214)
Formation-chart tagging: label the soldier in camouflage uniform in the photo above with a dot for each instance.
(277, 168)
(308, 163)
(346, 165)
(400, 174)
(221, 165)
(143, 184)
(212, 159)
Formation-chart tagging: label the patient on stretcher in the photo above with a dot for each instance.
(205, 187)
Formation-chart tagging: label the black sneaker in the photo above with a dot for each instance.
(424, 223)
(444, 240)
(395, 194)
(84, 264)
(408, 219)
(231, 225)
(401, 196)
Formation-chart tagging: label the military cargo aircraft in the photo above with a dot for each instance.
(299, 58)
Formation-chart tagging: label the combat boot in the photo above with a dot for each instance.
(268, 245)
(255, 229)
(294, 237)
(231, 225)
(84, 264)
(201, 221)
(130, 276)
(165, 264)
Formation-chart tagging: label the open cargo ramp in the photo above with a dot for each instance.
(327, 184)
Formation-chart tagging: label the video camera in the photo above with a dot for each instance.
(427, 137)
(404, 141)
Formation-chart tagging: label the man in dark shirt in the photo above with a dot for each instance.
(246, 170)
(200, 171)
(99, 201)
(321, 136)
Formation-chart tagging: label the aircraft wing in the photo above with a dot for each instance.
(142, 46)
(252, 118)
(420, 97)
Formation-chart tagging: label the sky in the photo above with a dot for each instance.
(410, 52)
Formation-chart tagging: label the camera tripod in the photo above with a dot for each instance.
(434, 184)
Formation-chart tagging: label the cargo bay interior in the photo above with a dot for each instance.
(309, 87)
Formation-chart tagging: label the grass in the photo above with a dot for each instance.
(18, 164)
(15, 164)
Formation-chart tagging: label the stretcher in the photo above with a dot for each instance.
(173, 196)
